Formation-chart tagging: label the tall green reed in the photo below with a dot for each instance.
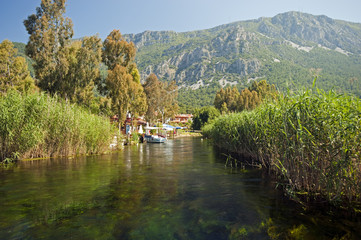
(37, 125)
(311, 139)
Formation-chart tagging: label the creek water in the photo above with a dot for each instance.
(177, 190)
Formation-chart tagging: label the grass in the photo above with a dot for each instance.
(312, 140)
(37, 126)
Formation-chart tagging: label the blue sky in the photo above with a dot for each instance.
(102, 16)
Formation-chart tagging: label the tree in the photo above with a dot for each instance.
(14, 73)
(152, 88)
(204, 115)
(263, 89)
(161, 99)
(118, 83)
(229, 96)
(70, 69)
(224, 108)
(169, 106)
(138, 101)
(123, 80)
(230, 100)
(219, 99)
(50, 34)
(248, 100)
(84, 58)
(118, 51)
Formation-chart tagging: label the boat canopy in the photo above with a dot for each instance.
(166, 127)
(152, 128)
(170, 127)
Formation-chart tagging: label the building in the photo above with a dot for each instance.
(182, 118)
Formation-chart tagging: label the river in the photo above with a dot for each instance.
(177, 190)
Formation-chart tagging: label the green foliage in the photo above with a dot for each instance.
(69, 69)
(123, 80)
(203, 116)
(21, 53)
(152, 88)
(36, 125)
(73, 69)
(136, 76)
(230, 100)
(161, 99)
(117, 51)
(263, 89)
(226, 100)
(14, 73)
(191, 99)
(50, 34)
(134, 139)
(84, 58)
(248, 100)
(20, 121)
(126, 94)
(85, 71)
(310, 139)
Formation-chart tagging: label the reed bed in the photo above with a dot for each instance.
(312, 140)
(37, 126)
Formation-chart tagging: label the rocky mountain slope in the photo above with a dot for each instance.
(287, 50)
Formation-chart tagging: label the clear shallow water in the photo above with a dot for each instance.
(177, 190)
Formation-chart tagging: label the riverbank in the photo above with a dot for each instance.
(311, 141)
(39, 126)
(188, 134)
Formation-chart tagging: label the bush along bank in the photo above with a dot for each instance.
(36, 125)
(312, 140)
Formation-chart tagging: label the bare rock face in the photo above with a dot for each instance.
(244, 67)
(151, 37)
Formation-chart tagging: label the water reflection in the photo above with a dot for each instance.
(177, 190)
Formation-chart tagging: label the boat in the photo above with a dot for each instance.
(151, 138)
(154, 139)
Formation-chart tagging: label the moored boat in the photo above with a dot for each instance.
(154, 139)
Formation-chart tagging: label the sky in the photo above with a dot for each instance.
(100, 17)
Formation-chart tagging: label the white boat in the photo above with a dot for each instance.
(154, 139)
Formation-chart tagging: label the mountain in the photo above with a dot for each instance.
(287, 50)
